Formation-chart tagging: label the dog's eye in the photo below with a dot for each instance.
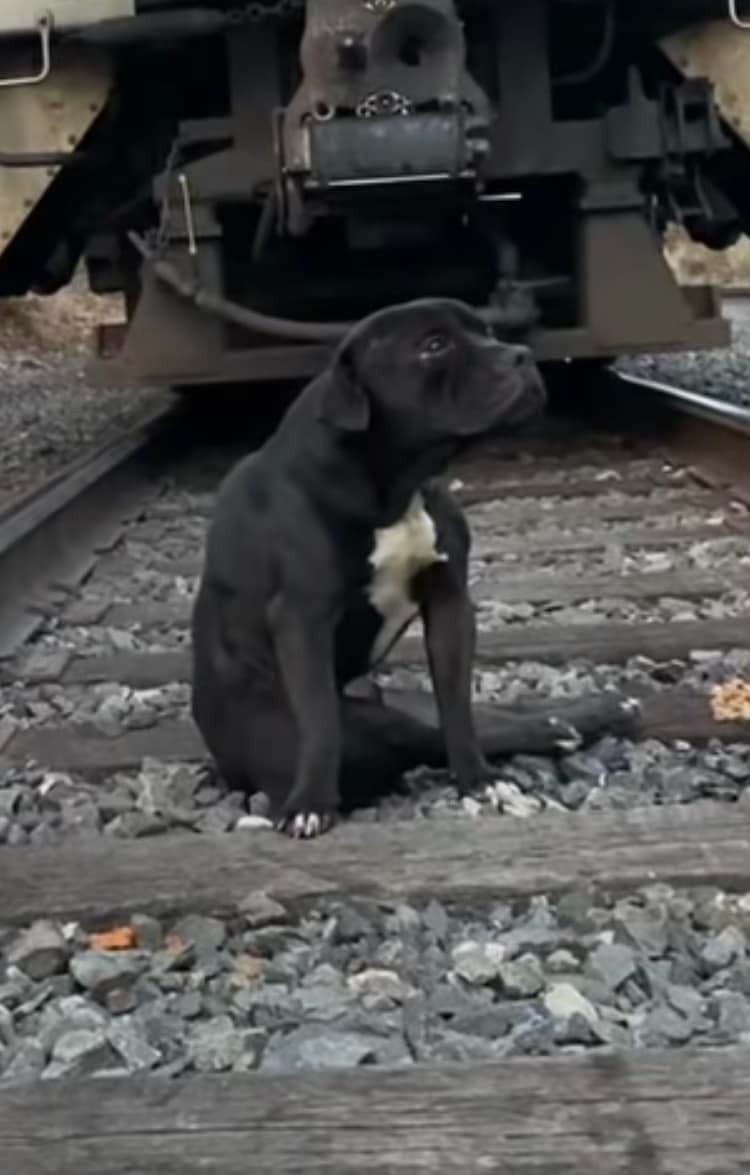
(435, 344)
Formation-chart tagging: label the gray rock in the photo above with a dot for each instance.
(733, 1019)
(522, 978)
(7, 1028)
(501, 916)
(687, 1002)
(585, 767)
(10, 799)
(404, 921)
(478, 962)
(722, 950)
(206, 934)
(613, 964)
(435, 919)
(259, 804)
(128, 1043)
(216, 1045)
(149, 932)
(534, 1036)
(452, 1048)
(539, 930)
(69, 1015)
(254, 1041)
(644, 928)
(316, 1049)
(379, 989)
(449, 1000)
(741, 976)
(509, 799)
(160, 1028)
(663, 1025)
(561, 962)
(26, 1063)
(100, 972)
(578, 1030)
(218, 819)
(493, 1023)
(269, 1006)
(564, 1001)
(189, 1006)
(259, 909)
(350, 926)
(82, 1050)
(40, 951)
(120, 1000)
(710, 910)
(393, 1052)
(321, 1001)
(575, 793)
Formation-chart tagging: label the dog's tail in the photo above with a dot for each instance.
(407, 726)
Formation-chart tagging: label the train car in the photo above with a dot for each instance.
(253, 176)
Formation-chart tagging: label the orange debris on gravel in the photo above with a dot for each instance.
(248, 968)
(731, 702)
(120, 938)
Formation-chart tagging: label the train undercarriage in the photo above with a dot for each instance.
(252, 177)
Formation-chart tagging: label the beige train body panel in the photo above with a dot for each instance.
(22, 16)
(719, 51)
(51, 116)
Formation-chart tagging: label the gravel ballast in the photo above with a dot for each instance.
(723, 374)
(40, 807)
(49, 413)
(352, 983)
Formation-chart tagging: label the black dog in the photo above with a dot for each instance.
(327, 542)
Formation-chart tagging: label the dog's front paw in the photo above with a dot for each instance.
(469, 777)
(306, 825)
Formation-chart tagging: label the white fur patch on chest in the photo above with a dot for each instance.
(400, 552)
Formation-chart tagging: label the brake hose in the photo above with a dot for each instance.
(282, 328)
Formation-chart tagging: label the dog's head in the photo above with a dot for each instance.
(428, 373)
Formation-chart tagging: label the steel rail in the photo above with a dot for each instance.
(731, 416)
(48, 537)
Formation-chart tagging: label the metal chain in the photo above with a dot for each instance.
(263, 9)
(384, 103)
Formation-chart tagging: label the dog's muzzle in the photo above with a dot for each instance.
(530, 395)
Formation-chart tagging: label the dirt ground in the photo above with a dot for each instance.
(696, 265)
(61, 324)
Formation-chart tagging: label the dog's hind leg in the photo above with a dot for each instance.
(381, 742)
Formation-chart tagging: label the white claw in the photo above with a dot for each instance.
(568, 745)
(631, 706)
(306, 825)
(572, 741)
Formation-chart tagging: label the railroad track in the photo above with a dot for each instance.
(552, 975)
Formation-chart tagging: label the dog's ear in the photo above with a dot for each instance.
(344, 403)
